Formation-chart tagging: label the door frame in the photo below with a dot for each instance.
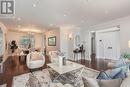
(111, 29)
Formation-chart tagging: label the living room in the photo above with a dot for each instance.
(83, 43)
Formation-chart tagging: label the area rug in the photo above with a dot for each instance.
(35, 79)
(3, 85)
(44, 79)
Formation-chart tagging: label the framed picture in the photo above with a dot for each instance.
(52, 41)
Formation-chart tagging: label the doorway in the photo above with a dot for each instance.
(107, 44)
(93, 44)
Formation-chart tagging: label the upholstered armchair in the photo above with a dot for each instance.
(53, 56)
(35, 60)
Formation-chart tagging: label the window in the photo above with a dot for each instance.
(27, 42)
(1, 43)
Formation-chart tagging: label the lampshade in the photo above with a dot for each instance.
(129, 44)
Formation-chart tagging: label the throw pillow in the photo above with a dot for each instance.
(123, 73)
(90, 82)
(114, 72)
(126, 82)
(36, 56)
(121, 62)
(103, 75)
(110, 83)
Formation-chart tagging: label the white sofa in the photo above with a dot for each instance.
(35, 60)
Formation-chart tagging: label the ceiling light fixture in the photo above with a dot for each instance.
(34, 5)
(106, 11)
(65, 15)
(51, 25)
(82, 21)
(19, 19)
(30, 30)
(70, 36)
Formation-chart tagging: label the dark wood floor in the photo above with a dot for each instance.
(12, 67)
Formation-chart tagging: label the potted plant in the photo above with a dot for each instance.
(126, 56)
(13, 46)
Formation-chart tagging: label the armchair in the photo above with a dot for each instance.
(53, 56)
(35, 60)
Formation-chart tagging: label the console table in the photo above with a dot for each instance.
(22, 58)
(79, 52)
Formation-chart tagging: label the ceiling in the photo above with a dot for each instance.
(46, 14)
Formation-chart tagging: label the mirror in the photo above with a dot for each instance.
(1, 45)
(77, 40)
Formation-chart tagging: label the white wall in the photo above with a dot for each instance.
(4, 30)
(51, 33)
(124, 32)
(18, 35)
(68, 45)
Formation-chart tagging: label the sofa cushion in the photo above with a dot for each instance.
(110, 83)
(36, 56)
(90, 82)
(126, 82)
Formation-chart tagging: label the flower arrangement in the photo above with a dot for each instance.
(126, 55)
(13, 46)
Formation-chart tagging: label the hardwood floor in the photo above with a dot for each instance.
(12, 67)
(97, 64)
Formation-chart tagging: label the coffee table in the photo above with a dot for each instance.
(68, 68)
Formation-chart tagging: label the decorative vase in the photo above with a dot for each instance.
(60, 61)
(64, 61)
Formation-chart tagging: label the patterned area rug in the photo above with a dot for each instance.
(35, 79)
(3, 85)
(44, 79)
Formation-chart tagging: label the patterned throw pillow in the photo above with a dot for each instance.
(114, 72)
(121, 75)
(103, 75)
(117, 73)
(121, 62)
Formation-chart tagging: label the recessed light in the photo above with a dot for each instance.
(65, 15)
(82, 21)
(34, 5)
(106, 11)
(51, 25)
(19, 19)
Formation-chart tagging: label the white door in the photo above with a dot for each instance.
(108, 45)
